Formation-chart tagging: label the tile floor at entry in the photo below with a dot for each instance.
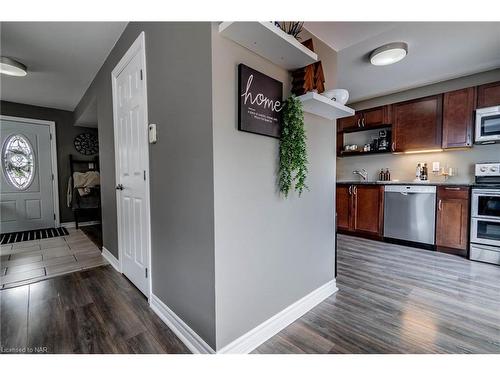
(30, 261)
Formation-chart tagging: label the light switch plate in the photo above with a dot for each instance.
(152, 133)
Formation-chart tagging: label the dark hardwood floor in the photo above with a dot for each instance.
(395, 299)
(94, 232)
(392, 299)
(93, 311)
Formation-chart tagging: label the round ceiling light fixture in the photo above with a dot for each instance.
(12, 67)
(389, 54)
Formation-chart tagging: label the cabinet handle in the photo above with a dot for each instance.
(350, 189)
(440, 205)
(452, 188)
(355, 190)
(359, 123)
(393, 146)
(363, 122)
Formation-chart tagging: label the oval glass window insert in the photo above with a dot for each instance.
(18, 161)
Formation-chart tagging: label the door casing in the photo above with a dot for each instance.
(53, 156)
(139, 44)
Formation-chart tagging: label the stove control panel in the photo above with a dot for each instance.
(487, 169)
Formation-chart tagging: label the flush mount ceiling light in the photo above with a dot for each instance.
(389, 53)
(12, 67)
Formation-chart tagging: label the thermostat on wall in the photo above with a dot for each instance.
(152, 133)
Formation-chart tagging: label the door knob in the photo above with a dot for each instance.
(119, 187)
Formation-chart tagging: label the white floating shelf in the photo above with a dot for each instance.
(270, 42)
(322, 106)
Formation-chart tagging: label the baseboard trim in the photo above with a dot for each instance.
(189, 337)
(72, 224)
(264, 331)
(111, 259)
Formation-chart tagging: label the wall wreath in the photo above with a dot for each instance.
(86, 144)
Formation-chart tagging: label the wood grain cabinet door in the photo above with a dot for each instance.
(452, 227)
(458, 114)
(343, 207)
(368, 209)
(488, 95)
(349, 123)
(377, 116)
(418, 124)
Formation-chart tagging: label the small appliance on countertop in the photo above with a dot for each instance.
(422, 173)
(485, 214)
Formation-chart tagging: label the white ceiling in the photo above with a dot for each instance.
(340, 35)
(437, 51)
(62, 59)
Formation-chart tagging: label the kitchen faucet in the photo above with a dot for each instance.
(362, 172)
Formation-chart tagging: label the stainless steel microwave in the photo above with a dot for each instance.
(488, 125)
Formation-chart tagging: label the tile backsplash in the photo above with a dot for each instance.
(402, 166)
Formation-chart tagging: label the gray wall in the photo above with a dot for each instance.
(270, 251)
(403, 166)
(178, 57)
(65, 134)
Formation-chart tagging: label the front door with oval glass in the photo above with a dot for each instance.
(26, 199)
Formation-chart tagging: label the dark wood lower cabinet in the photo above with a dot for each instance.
(360, 209)
(368, 208)
(343, 203)
(452, 222)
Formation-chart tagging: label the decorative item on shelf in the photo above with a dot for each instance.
(338, 95)
(293, 28)
(293, 150)
(350, 148)
(309, 78)
(86, 144)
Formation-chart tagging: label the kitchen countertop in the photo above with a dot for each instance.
(431, 183)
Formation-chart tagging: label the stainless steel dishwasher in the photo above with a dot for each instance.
(410, 213)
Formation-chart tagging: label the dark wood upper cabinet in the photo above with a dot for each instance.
(340, 143)
(417, 124)
(452, 224)
(377, 116)
(488, 95)
(343, 207)
(458, 118)
(366, 119)
(349, 123)
(368, 209)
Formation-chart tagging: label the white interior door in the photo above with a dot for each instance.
(132, 165)
(26, 199)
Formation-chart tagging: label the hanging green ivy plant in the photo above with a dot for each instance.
(293, 151)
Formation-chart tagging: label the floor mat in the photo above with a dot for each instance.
(30, 235)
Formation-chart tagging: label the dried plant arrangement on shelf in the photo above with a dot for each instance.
(293, 28)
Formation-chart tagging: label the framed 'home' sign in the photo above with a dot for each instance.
(260, 102)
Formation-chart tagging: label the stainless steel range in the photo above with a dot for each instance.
(485, 214)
